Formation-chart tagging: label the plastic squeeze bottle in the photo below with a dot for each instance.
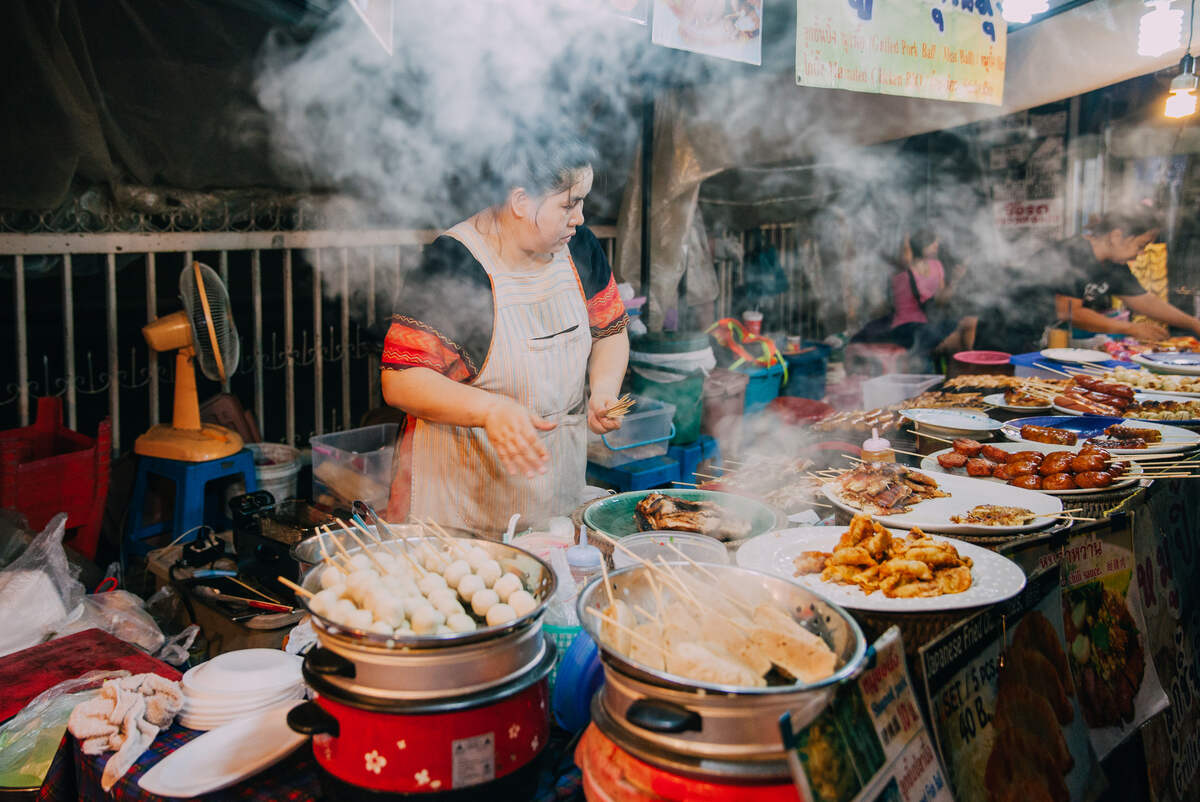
(877, 449)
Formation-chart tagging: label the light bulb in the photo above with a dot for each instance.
(1020, 11)
(1180, 104)
(1160, 30)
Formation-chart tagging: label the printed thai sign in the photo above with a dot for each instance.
(1046, 213)
(928, 48)
(712, 27)
(870, 743)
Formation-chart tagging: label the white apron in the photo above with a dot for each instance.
(541, 341)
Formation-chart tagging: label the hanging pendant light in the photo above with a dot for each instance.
(1161, 28)
(1181, 99)
(1021, 11)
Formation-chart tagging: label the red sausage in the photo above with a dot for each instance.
(1058, 462)
(1026, 456)
(1081, 463)
(967, 447)
(1023, 468)
(952, 459)
(1090, 479)
(1030, 482)
(980, 467)
(1004, 472)
(1059, 481)
(995, 454)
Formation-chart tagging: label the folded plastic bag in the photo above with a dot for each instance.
(119, 613)
(38, 590)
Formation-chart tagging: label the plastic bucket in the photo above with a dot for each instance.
(278, 468)
(684, 390)
(806, 373)
(724, 405)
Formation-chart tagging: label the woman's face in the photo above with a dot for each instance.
(1125, 248)
(554, 218)
(931, 250)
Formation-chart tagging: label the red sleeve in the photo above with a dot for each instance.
(412, 344)
(606, 311)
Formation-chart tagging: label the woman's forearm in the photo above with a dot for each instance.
(1081, 317)
(1152, 306)
(428, 394)
(606, 366)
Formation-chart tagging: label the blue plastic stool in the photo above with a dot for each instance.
(639, 475)
(190, 479)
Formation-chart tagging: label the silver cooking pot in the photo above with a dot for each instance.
(703, 729)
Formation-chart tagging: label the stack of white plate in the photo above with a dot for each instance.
(238, 684)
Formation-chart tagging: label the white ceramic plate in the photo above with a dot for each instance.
(1082, 356)
(997, 400)
(1186, 364)
(952, 419)
(930, 464)
(223, 756)
(934, 514)
(1175, 439)
(993, 578)
(219, 707)
(246, 671)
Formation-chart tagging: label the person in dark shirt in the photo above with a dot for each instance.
(508, 344)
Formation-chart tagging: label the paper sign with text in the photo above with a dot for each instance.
(870, 743)
(1003, 705)
(701, 26)
(1105, 633)
(1046, 213)
(923, 48)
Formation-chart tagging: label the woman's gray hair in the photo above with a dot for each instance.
(542, 162)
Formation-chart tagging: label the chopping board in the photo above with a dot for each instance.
(25, 674)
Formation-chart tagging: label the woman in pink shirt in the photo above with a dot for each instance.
(920, 295)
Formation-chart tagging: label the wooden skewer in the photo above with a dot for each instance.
(853, 458)
(255, 590)
(329, 561)
(612, 603)
(412, 562)
(1052, 370)
(910, 453)
(362, 545)
(684, 484)
(685, 591)
(308, 594)
(1067, 518)
(930, 436)
(337, 543)
(644, 614)
(644, 640)
(442, 537)
(383, 544)
(738, 603)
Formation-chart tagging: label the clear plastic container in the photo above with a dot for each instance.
(645, 432)
(354, 464)
(651, 545)
(892, 388)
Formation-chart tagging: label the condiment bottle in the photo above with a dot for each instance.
(584, 559)
(877, 449)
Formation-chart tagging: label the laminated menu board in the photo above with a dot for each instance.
(1003, 703)
(870, 743)
(922, 48)
(711, 28)
(1107, 647)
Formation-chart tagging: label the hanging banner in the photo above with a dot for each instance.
(870, 743)
(1118, 684)
(1003, 702)
(1166, 543)
(708, 27)
(923, 48)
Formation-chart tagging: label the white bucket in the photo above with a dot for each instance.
(281, 476)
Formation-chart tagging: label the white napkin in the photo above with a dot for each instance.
(125, 718)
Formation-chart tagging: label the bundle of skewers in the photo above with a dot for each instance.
(621, 407)
(440, 586)
(780, 482)
(700, 627)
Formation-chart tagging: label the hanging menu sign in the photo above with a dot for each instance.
(870, 743)
(936, 49)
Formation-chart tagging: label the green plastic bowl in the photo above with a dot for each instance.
(613, 516)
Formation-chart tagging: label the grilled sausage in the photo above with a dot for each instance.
(1091, 448)
(1048, 434)
(1022, 468)
(1117, 469)
(1026, 456)
(1090, 479)
(1115, 401)
(1132, 433)
(1112, 388)
(1030, 482)
(951, 460)
(1059, 481)
(1058, 462)
(1004, 472)
(1081, 463)
(967, 447)
(980, 467)
(994, 454)
(1086, 382)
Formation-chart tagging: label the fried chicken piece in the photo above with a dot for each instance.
(1030, 668)
(901, 588)
(861, 527)
(842, 574)
(952, 580)
(905, 569)
(810, 562)
(855, 555)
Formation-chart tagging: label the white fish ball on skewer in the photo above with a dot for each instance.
(455, 571)
(443, 630)
(360, 619)
(489, 571)
(461, 622)
(482, 601)
(385, 606)
(425, 621)
(341, 609)
(381, 628)
(476, 557)
(449, 607)
(359, 582)
(322, 603)
(469, 586)
(442, 595)
(332, 576)
(390, 564)
(499, 614)
(507, 585)
(431, 582)
(361, 561)
(522, 602)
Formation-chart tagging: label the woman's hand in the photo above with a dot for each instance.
(1146, 332)
(598, 422)
(513, 432)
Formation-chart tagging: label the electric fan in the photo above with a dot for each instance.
(202, 330)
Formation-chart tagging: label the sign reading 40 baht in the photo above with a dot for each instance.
(940, 49)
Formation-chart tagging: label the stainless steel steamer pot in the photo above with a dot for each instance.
(692, 727)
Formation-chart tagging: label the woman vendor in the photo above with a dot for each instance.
(510, 314)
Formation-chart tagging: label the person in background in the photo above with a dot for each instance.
(923, 320)
(512, 316)
(1092, 269)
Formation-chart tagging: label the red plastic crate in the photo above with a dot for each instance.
(46, 469)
